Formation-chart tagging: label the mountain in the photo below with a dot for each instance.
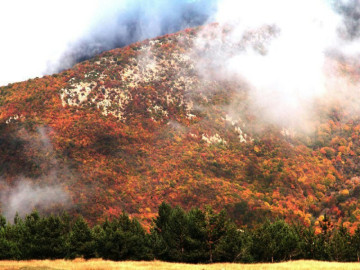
(139, 125)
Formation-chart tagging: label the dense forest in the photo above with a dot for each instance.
(175, 235)
(136, 126)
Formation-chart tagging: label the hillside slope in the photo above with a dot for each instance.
(135, 126)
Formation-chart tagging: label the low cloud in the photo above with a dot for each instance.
(288, 56)
(25, 196)
(41, 188)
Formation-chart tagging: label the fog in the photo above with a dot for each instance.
(25, 196)
(45, 190)
(287, 54)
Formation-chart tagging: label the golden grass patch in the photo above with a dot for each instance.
(102, 264)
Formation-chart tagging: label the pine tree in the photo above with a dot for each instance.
(8, 248)
(215, 227)
(30, 238)
(322, 241)
(81, 241)
(340, 245)
(196, 242)
(123, 239)
(274, 242)
(234, 246)
(53, 238)
(170, 233)
(307, 237)
(355, 242)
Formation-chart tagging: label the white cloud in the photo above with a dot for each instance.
(35, 34)
(42, 36)
(286, 60)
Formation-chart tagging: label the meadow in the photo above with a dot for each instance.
(158, 265)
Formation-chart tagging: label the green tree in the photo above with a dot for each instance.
(235, 245)
(196, 236)
(2, 221)
(8, 248)
(355, 242)
(274, 242)
(340, 245)
(170, 233)
(216, 225)
(123, 239)
(81, 241)
(322, 241)
(196, 241)
(30, 236)
(53, 237)
(307, 244)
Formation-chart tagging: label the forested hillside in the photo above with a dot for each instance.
(135, 126)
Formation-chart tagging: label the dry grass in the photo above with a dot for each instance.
(101, 264)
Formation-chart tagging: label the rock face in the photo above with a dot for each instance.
(140, 125)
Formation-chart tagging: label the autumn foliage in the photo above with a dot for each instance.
(136, 126)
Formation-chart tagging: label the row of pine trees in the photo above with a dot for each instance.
(176, 236)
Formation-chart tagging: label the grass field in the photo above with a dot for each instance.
(101, 264)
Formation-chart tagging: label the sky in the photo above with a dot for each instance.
(43, 37)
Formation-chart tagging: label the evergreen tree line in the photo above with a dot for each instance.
(176, 236)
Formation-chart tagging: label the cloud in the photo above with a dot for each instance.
(26, 196)
(283, 53)
(35, 34)
(42, 37)
(42, 188)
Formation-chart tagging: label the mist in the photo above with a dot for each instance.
(288, 55)
(43, 37)
(40, 189)
(26, 196)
